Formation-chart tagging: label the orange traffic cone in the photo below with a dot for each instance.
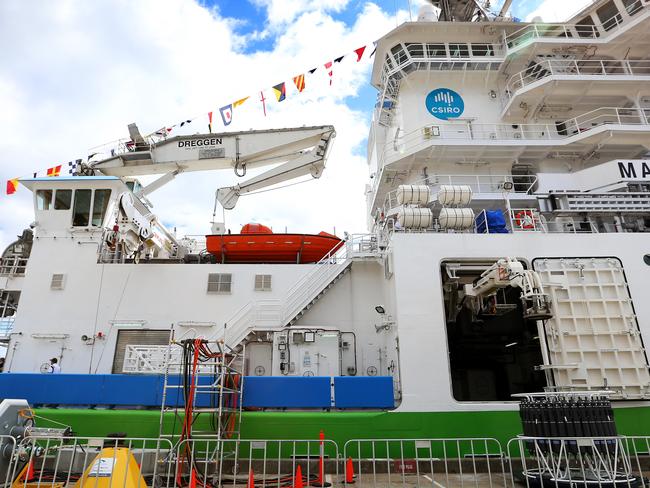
(251, 479)
(193, 479)
(349, 471)
(297, 481)
(30, 470)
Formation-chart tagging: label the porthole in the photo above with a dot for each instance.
(646, 259)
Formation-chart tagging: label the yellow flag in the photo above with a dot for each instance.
(240, 102)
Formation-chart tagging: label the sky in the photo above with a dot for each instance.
(74, 74)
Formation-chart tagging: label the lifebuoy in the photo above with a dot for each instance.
(524, 219)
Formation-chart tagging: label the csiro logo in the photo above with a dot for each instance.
(445, 104)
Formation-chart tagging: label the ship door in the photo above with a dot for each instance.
(593, 339)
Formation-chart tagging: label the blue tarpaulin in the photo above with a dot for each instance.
(491, 222)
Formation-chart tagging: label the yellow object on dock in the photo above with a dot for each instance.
(112, 468)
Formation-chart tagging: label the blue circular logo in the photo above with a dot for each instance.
(445, 104)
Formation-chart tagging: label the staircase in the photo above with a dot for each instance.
(279, 313)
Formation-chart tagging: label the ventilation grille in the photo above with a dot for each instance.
(263, 282)
(219, 282)
(58, 282)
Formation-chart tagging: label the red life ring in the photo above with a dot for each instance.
(525, 219)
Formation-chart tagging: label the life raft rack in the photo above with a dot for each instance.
(525, 219)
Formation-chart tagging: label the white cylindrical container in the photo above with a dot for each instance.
(455, 194)
(413, 194)
(415, 218)
(456, 218)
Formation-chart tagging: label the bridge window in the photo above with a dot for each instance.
(632, 6)
(44, 199)
(586, 28)
(100, 203)
(81, 210)
(63, 200)
(482, 50)
(416, 50)
(609, 16)
(458, 50)
(437, 50)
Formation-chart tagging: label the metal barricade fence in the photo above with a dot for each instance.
(270, 463)
(439, 463)
(570, 462)
(89, 462)
(637, 449)
(7, 453)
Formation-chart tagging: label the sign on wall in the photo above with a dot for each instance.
(445, 104)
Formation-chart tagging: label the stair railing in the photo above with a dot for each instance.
(313, 282)
(276, 313)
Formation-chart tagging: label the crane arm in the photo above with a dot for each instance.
(311, 162)
(204, 152)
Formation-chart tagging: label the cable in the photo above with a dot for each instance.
(277, 187)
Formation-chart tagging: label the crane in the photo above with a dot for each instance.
(508, 272)
(294, 152)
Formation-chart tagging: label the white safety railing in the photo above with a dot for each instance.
(13, 266)
(478, 183)
(449, 463)
(124, 145)
(520, 134)
(571, 32)
(569, 67)
(91, 461)
(277, 313)
(150, 359)
(263, 462)
(533, 462)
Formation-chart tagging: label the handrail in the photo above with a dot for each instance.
(280, 311)
(511, 132)
(570, 31)
(572, 67)
(6, 326)
(478, 183)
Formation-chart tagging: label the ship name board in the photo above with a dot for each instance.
(208, 141)
(630, 170)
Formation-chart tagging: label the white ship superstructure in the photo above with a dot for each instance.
(507, 252)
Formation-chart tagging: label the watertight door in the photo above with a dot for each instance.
(593, 339)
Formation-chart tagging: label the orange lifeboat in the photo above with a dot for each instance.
(256, 243)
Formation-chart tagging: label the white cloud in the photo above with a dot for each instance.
(557, 10)
(285, 11)
(83, 70)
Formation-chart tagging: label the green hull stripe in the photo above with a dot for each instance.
(338, 426)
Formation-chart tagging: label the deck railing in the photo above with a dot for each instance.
(572, 31)
(509, 134)
(522, 184)
(569, 67)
